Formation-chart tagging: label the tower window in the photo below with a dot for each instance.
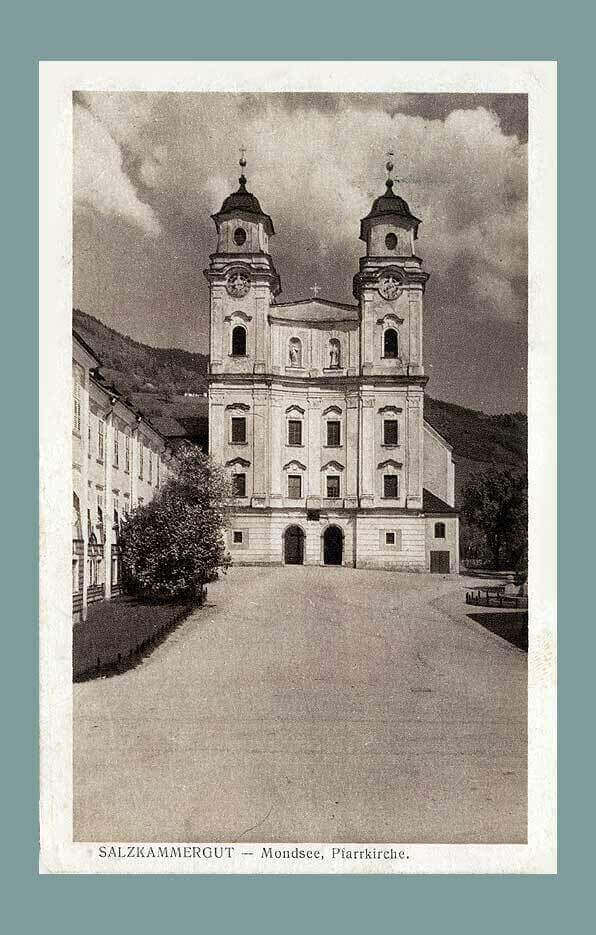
(390, 490)
(239, 485)
(239, 341)
(390, 431)
(391, 241)
(239, 236)
(294, 432)
(237, 537)
(439, 530)
(390, 343)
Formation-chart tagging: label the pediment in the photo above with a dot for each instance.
(241, 462)
(314, 310)
(390, 463)
(294, 466)
(295, 408)
(395, 409)
(390, 319)
(243, 407)
(332, 409)
(241, 315)
(332, 466)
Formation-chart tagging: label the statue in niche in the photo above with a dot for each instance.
(334, 354)
(295, 354)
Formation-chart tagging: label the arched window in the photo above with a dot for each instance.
(334, 353)
(439, 530)
(390, 343)
(295, 352)
(239, 341)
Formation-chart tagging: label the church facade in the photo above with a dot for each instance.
(316, 408)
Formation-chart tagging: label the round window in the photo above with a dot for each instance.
(391, 241)
(239, 236)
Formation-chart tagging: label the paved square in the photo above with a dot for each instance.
(310, 703)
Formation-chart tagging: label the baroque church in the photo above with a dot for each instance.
(316, 408)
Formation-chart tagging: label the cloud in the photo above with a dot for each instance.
(100, 183)
(166, 161)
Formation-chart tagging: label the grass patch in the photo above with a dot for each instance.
(118, 633)
(512, 627)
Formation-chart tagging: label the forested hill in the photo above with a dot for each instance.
(137, 368)
(157, 378)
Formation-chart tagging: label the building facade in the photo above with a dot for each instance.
(316, 408)
(119, 461)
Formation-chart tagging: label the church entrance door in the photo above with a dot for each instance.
(333, 546)
(294, 546)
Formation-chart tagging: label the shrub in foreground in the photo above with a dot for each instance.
(172, 547)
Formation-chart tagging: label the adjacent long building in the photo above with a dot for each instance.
(317, 407)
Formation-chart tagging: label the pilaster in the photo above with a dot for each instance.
(314, 453)
(367, 450)
(261, 456)
(351, 449)
(414, 435)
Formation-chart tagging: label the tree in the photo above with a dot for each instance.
(496, 504)
(174, 545)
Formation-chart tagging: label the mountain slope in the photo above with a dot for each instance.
(155, 379)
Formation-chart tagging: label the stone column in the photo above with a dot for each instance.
(351, 449)
(367, 451)
(313, 493)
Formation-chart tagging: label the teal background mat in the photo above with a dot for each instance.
(308, 30)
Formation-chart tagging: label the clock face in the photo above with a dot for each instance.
(238, 284)
(390, 286)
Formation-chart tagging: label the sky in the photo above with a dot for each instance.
(151, 168)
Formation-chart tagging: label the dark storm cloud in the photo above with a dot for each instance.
(151, 168)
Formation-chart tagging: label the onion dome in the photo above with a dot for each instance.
(242, 202)
(389, 205)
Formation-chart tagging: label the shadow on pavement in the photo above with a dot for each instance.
(512, 626)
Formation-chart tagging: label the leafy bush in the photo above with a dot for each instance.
(172, 547)
(495, 505)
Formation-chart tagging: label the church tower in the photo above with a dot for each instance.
(243, 283)
(390, 286)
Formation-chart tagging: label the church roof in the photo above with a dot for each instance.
(389, 204)
(432, 504)
(244, 202)
(316, 310)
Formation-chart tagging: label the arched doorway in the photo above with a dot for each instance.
(294, 546)
(333, 542)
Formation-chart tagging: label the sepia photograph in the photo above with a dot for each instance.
(298, 417)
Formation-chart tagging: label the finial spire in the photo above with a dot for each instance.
(242, 164)
(389, 166)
